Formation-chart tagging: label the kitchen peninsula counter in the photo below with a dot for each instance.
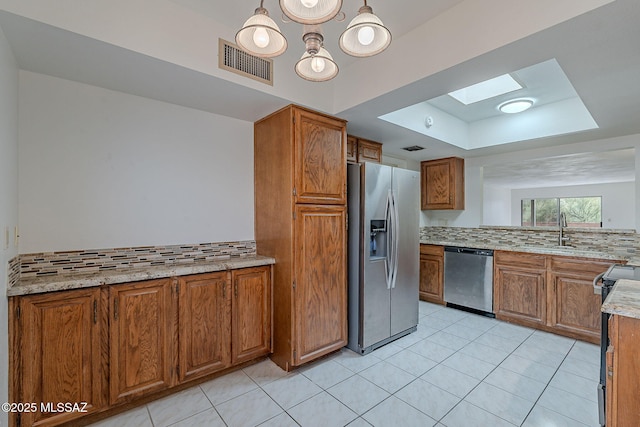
(624, 299)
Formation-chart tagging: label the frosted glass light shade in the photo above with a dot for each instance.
(356, 40)
(319, 12)
(317, 68)
(515, 106)
(267, 42)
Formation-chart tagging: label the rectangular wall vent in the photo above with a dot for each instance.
(414, 148)
(234, 59)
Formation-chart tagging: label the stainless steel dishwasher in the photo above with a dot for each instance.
(468, 278)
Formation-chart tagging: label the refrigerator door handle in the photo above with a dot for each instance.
(396, 239)
(388, 260)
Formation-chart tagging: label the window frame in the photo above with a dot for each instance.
(532, 210)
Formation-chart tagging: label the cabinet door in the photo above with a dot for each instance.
(140, 338)
(442, 184)
(320, 294)
(519, 295)
(60, 353)
(575, 310)
(251, 313)
(320, 159)
(352, 149)
(623, 364)
(204, 313)
(431, 279)
(432, 273)
(369, 151)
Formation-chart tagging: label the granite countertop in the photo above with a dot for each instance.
(34, 285)
(624, 299)
(565, 250)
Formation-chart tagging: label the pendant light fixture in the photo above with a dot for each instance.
(316, 64)
(261, 36)
(310, 12)
(366, 35)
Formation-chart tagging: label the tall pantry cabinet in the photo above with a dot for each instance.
(300, 220)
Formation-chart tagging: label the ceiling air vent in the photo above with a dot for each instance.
(236, 60)
(413, 148)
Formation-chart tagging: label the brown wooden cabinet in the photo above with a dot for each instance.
(57, 353)
(432, 273)
(623, 365)
(320, 295)
(520, 288)
(549, 292)
(224, 320)
(112, 345)
(319, 149)
(442, 184)
(352, 149)
(204, 315)
(300, 196)
(363, 150)
(575, 309)
(251, 314)
(141, 338)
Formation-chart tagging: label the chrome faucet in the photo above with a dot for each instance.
(562, 222)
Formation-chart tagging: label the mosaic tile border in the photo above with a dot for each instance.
(13, 271)
(89, 261)
(614, 241)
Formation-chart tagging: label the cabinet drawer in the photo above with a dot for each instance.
(520, 259)
(431, 250)
(582, 266)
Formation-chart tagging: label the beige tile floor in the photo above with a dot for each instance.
(457, 370)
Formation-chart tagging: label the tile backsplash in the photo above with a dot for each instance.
(601, 240)
(88, 261)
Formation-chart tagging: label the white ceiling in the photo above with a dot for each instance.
(575, 169)
(598, 51)
(413, 14)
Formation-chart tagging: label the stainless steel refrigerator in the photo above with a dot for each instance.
(384, 254)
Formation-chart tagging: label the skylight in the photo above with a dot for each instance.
(486, 89)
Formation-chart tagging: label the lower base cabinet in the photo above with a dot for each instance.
(520, 288)
(115, 344)
(432, 273)
(56, 355)
(204, 324)
(549, 292)
(623, 365)
(251, 314)
(140, 339)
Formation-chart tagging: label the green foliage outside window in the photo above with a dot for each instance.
(580, 211)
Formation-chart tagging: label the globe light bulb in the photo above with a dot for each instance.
(309, 3)
(366, 35)
(317, 64)
(261, 37)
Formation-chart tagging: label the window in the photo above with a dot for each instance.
(580, 211)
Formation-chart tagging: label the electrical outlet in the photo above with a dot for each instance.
(16, 236)
(6, 238)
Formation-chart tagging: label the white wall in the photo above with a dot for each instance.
(8, 196)
(497, 206)
(100, 169)
(618, 201)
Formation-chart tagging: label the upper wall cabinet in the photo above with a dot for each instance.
(319, 168)
(362, 150)
(442, 184)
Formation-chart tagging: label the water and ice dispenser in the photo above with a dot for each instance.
(378, 241)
